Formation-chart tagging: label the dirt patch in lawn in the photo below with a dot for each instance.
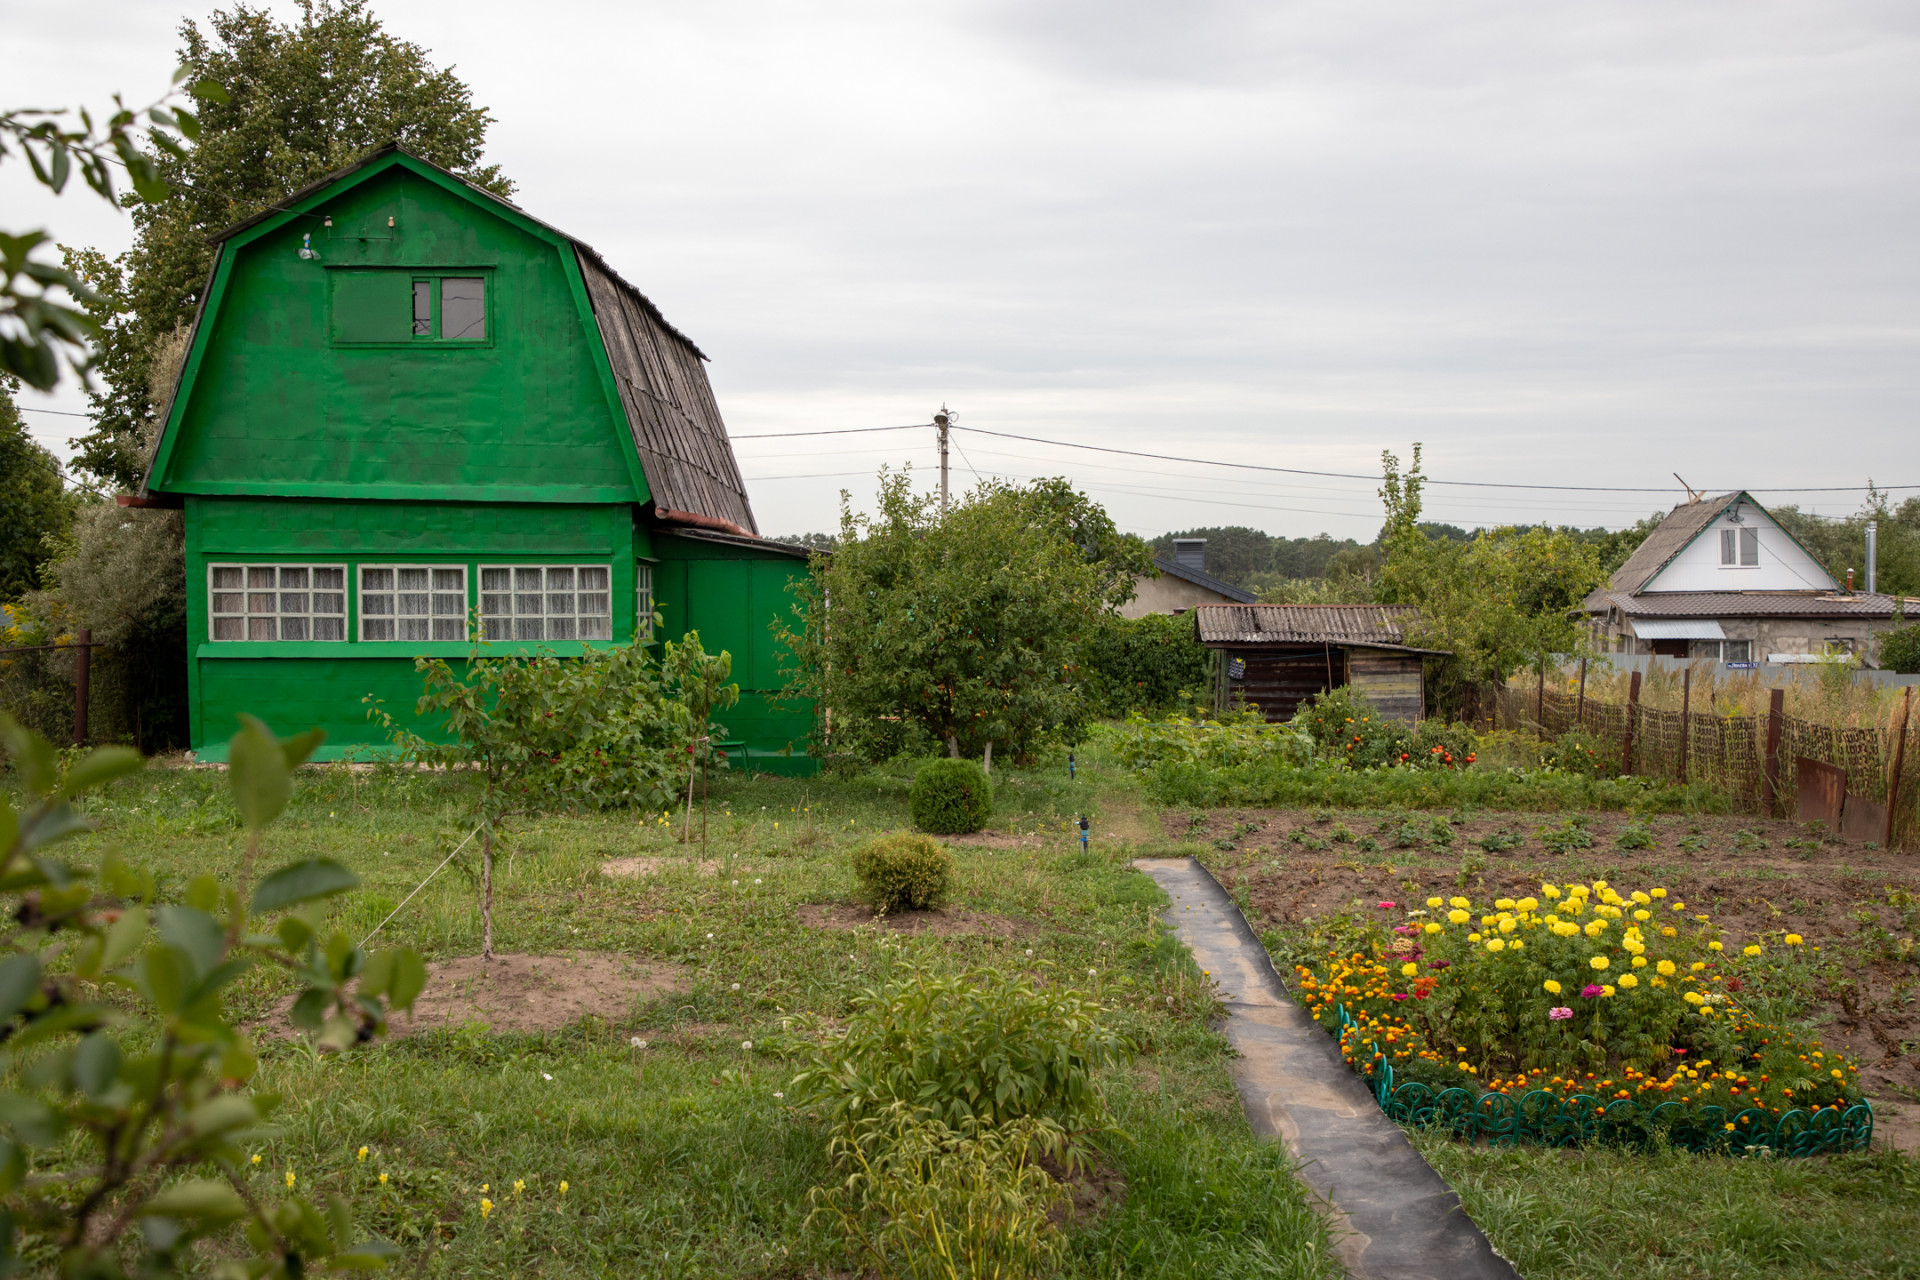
(633, 868)
(1756, 877)
(523, 993)
(845, 917)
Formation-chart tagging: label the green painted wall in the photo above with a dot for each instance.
(733, 596)
(278, 406)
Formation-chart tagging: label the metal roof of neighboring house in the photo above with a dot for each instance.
(1369, 626)
(1173, 569)
(668, 402)
(1748, 604)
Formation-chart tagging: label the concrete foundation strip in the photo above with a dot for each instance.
(1393, 1217)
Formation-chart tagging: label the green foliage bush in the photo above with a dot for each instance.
(1234, 738)
(1900, 649)
(903, 872)
(1577, 751)
(1143, 664)
(980, 1047)
(950, 797)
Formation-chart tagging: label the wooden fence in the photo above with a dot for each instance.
(1754, 760)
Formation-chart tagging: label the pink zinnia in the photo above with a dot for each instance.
(1399, 995)
(1591, 990)
(1559, 1014)
(1386, 906)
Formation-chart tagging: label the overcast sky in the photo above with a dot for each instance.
(1569, 243)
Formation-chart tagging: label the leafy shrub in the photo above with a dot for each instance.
(926, 1201)
(981, 1047)
(1635, 835)
(950, 797)
(1577, 751)
(1232, 738)
(1143, 664)
(1568, 836)
(1500, 841)
(1900, 649)
(1441, 832)
(1347, 727)
(1582, 990)
(903, 872)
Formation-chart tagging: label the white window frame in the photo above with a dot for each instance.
(643, 601)
(532, 607)
(377, 618)
(1726, 651)
(253, 602)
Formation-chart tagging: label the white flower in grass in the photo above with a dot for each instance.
(747, 1045)
(545, 1076)
(637, 1043)
(736, 986)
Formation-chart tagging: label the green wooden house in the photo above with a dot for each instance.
(407, 404)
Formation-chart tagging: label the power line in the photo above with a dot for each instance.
(842, 431)
(58, 413)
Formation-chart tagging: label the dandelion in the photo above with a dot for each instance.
(486, 1186)
(563, 1186)
(290, 1179)
(256, 1159)
(637, 1043)
(735, 987)
(361, 1154)
(519, 1185)
(383, 1179)
(486, 1206)
(747, 1046)
(1092, 972)
(1559, 1013)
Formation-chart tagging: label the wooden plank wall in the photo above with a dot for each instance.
(1279, 682)
(1390, 681)
(669, 404)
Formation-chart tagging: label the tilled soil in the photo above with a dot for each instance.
(1858, 904)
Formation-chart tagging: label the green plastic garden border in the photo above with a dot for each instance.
(1562, 1121)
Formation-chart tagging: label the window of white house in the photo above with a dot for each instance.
(278, 601)
(413, 602)
(1739, 546)
(1749, 547)
(1729, 546)
(546, 602)
(643, 601)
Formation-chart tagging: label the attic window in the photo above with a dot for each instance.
(1743, 543)
(390, 307)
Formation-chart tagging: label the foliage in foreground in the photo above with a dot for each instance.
(1587, 992)
(942, 1098)
(903, 872)
(152, 1084)
(1143, 664)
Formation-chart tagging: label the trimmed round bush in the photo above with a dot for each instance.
(903, 872)
(951, 797)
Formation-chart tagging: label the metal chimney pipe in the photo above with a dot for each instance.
(1873, 556)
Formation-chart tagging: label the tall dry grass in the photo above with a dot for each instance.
(1825, 694)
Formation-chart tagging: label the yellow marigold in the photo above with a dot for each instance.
(1643, 914)
(1549, 891)
(1473, 937)
(1640, 897)
(1509, 925)
(1409, 970)
(1431, 927)
(1794, 940)
(1599, 886)
(1659, 893)
(1627, 981)
(1607, 990)
(1457, 916)
(1527, 904)
(1668, 931)
(1600, 962)
(1435, 902)
(1567, 929)
(1503, 904)
(1496, 944)
(1838, 1075)
(1460, 903)
(1595, 928)
(1716, 945)
(1665, 968)
(1750, 950)
(1693, 997)
(1698, 965)
(1552, 988)
(1518, 945)
(1487, 922)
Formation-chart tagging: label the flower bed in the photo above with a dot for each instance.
(1577, 1016)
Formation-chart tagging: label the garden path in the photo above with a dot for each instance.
(1393, 1216)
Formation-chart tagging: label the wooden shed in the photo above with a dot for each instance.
(1278, 655)
(414, 419)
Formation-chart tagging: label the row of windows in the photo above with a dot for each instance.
(416, 602)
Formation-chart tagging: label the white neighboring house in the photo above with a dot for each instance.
(1719, 579)
(1183, 582)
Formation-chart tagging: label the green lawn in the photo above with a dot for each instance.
(680, 1159)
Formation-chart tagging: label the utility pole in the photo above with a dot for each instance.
(941, 420)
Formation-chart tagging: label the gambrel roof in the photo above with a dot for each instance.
(674, 422)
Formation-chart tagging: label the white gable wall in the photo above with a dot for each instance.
(1783, 565)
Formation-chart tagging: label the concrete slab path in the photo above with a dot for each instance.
(1394, 1218)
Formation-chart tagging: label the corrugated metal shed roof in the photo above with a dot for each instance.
(1678, 629)
(1748, 604)
(1376, 626)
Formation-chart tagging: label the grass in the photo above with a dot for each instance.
(681, 1159)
